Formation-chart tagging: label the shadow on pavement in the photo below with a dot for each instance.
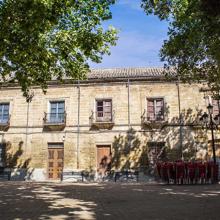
(27, 200)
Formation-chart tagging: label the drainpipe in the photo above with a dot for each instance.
(78, 127)
(129, 120)
(29, 99)
(180, 119)
(27, 122)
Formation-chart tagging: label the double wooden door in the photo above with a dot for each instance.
(55, 163)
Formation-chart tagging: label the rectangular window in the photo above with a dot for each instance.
(57, 111)
(155, 109)
(104, 110)
(216, 107)
(4, 113)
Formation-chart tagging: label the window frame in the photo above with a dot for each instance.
(57, 118)
(2, 121)
(216, 107)
(104, 118)
(156, 118)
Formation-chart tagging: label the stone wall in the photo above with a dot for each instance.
(28, 140)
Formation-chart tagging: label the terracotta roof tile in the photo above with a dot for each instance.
(145, 72)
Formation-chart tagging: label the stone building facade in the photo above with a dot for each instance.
(129, 116)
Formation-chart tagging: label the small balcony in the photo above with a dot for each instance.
(104, 122)
(54, 121)
(5, 123)
(158, 122)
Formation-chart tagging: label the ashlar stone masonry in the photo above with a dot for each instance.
(130, 115)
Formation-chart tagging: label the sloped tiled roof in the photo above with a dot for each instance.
(117, 74)
(143, 72)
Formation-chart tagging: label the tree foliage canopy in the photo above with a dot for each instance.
(45, 39)
(193, 45)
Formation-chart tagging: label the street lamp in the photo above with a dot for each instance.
(210, 122)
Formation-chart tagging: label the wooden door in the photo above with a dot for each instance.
(55, 163)
(103, 156)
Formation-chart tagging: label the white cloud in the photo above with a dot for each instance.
(133, 49)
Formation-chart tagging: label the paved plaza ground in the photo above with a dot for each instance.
(118, 201)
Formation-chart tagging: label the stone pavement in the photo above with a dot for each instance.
(118, 201)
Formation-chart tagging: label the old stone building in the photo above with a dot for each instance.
(129, 116)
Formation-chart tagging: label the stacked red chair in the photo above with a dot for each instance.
(180, 172)
(193, 172)
(201, 172)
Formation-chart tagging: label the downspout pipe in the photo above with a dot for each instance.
(28, 99)
(180, 119)
(27, 123)
(78, 127)
(129, 118)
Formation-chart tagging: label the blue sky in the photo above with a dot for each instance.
(140, 37)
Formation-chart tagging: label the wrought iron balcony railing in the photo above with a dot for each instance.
(95, 119)
(146, 119)
(5, 123)
(54, 118)
(102, 122)
(158, 122)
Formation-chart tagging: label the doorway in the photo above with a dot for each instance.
(55, 160)
(103, 158)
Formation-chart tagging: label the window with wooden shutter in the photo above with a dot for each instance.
(155, 109)
(104, 110)
(216, 107)
(150, 110)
